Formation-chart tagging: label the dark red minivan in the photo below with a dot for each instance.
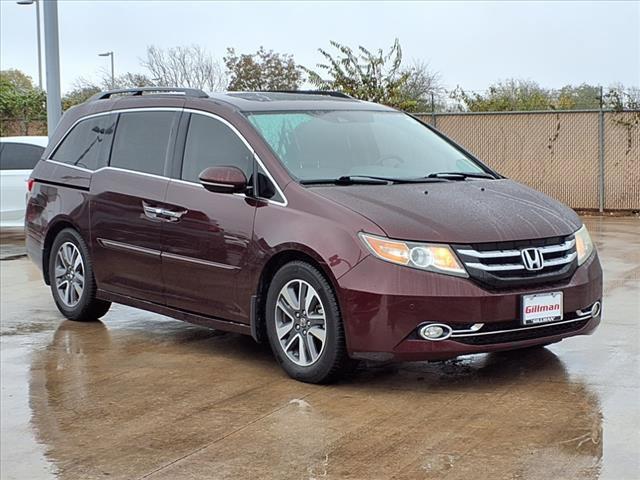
(335, 229)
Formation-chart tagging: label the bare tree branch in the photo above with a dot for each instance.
(184, 66)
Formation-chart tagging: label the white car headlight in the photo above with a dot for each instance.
(424, 256)
(584, 245)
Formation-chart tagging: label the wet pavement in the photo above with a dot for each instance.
(12, 244)
(139, 395)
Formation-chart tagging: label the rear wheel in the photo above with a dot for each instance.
(71, 278)
(304, 325)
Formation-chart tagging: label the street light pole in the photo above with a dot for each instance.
(37, 4)
(113, 76)
(39, 44)
(52, 61)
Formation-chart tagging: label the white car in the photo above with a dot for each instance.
(18, 156)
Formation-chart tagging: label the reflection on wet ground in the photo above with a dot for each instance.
(142, 396)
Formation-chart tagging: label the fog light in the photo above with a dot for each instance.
(435, 332)
(595, 310)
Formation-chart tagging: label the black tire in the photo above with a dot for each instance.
(333, 360)
(88, 307)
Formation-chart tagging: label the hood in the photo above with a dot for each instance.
(472, 211)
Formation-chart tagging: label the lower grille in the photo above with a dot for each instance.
(518, 335)
(505, 332)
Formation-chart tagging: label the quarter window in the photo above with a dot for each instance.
(266, 188)
(19, 156)
(211, 143)
(87, 145)
(142, 141)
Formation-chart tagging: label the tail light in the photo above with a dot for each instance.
(30, 183)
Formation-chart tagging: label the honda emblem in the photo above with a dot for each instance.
(532, 259)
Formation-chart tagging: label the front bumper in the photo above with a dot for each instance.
(384, 305)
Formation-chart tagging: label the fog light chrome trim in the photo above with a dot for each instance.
(443, 335)
(594, 311)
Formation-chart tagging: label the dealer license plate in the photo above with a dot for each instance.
(541, 308)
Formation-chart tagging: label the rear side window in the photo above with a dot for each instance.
(19, 156)
(142, 140)
(211, 143)
(87, 144)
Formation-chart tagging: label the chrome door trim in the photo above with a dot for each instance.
(75, 167)
(199, 261)
(285, 202)
(115, 169)
(240, 195)
(112, 244)
(108, 112)
(168, 109)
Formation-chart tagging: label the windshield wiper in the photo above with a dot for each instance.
(403, 180)
(369, 180)
(345, 180)
(461, 175)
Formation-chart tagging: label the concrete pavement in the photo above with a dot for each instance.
(139, 395)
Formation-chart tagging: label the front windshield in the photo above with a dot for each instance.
(316, 145)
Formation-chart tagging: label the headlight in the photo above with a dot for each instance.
(584, 245)
(423, 256)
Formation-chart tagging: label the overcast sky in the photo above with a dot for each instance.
(472, 44)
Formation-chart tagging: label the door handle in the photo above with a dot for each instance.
(152, 212)
(158, 213)
(172, 216)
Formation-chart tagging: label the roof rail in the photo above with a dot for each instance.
(328, 93)
(187, 92)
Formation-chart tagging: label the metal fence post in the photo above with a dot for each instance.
(601, 152)
(434, 122)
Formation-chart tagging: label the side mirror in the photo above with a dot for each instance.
(223, 179)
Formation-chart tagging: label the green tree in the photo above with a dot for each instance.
(579, 97)
(18, 79)
(373, 76)
(78, 95)
(263, 70)
(508, 95)
(19, 99)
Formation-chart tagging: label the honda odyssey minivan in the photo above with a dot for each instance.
(335, 229)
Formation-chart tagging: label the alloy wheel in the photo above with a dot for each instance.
(300, 322)
(69, 274)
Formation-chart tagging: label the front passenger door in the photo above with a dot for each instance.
(207, 247)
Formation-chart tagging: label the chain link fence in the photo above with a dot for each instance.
(587, 159)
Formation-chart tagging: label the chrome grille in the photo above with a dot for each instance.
(503, 264)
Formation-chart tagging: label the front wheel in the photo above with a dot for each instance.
(304, 325)
(71, 278)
